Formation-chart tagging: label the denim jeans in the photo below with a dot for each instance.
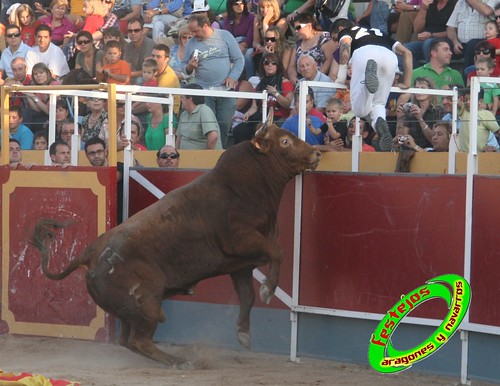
(378, 17)
(223, 109)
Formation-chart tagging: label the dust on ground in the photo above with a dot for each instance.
(101, 364)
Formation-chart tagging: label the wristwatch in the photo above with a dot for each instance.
(36, 99)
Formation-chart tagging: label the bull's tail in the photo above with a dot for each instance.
(41, 237)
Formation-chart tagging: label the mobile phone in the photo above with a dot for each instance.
(195, 54)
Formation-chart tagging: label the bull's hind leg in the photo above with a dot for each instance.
(243, 284)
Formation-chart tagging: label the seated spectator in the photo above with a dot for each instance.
(60, 153)
(17, 130)
(24, 17)
(115, 70)
(160, 16)
(333, 128)
(491, 93)
(438, 67)
(62, 114)
(268, 15)
(198, 128)
(16, 48)
(158, 125)
(407, 12)
(429, 24)
(279, 98)
(312, 42)
(59, 23)
(41, 140)
(110, 24)
(120, 119)
(177, 53)
(112, 33)
(275, 42)
(16, 155)
(486, 123)
(441, 134)
(365, 130)
(93, 122)
(166, 75)
(88, 58)
(48, 53)
(465, 27)
(420, 113)
(168, 157)
(483, 49)
(67, 131)
(136, 136)
(492, 35)
(149, 73)
(308, 67)
(138, 49)
(312, 122)
(202, 8)
(126, 10)
(36, 110)
(239, 22)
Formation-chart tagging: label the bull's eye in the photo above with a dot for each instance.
(285, 141)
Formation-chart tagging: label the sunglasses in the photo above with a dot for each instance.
(484, 51)
(120, 105)
(169, 155)
(270, 63)
(82, 42)
(16, 35)
(135, 30)
(273, 39)
(497, 16)
(299, 26)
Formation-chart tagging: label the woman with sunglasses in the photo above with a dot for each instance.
(275, 43)
(482, 49)
(240, 23)
(88, 57)
(311, 41)
(268, 15)
(279, 97)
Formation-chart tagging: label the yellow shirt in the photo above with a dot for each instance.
(168, 78)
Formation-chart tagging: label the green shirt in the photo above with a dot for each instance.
(194, 127)
(445, 78)
(155, 136)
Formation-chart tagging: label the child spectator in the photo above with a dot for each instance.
(333, 128)
(18, 131)
(41, 140)
(485, 67)
(149, 72)
(24, 17)
(115, 70)
(491, 33)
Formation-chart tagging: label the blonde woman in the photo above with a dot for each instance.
(268, 15)
(24, 17)
(275, 43)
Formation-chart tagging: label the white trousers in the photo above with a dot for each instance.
(363, 103)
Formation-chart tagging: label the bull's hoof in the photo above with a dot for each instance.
(186, 365)
(244, 339)
(265, 294)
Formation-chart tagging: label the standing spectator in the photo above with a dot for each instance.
(217, 65)
(374, 65)
(466, 26)
(89, 57)
(161, 16)
(59, 23)
(429, 24)
(158, 126)
(24, 17)
(168, 157)
(94, 121)
(239, 22)
(313, 42)
(198, 128)
(138, 49)
(438, 67)
(48, 53)
(115, 70)
(16, 48)
(17, 130)
(177, 53)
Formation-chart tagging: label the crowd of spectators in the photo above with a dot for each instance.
(252, 46)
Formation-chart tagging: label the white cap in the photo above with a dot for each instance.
(200, 6)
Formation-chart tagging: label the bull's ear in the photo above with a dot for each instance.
(261, 141)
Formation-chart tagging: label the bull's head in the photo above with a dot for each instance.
(297, 154)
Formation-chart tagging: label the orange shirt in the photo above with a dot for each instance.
(121, 68)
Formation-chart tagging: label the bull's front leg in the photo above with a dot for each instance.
(269, 285)
(243, 284)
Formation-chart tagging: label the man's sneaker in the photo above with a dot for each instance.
(371, 79)
(384, 134)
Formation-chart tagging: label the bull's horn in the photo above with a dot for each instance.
(265, 126)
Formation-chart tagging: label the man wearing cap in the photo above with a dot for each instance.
(216, 61)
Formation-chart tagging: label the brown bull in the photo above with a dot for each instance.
(224, 222)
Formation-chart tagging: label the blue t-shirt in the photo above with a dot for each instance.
(24, 136)
(292, 125)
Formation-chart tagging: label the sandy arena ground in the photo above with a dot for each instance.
(102, 364)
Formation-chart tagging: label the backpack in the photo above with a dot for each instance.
(328, 8)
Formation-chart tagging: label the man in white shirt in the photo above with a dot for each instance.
(16, 48)
(48, 53)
